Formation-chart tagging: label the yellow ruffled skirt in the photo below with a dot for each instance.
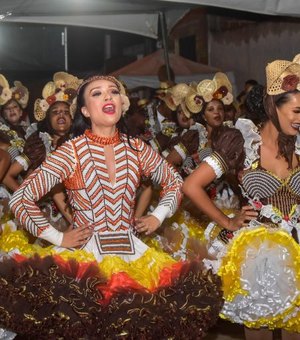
(49, 294)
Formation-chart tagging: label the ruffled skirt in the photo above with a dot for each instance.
(260, 272)
(46, 294)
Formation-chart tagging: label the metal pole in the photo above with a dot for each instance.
(65, 43)
(165, 42)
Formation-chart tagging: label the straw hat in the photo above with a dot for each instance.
(63, 88)
(179, 92)
(283, 76)
(18, 92)
(193, 101)
(217, 88)
(186, 96)
(169, 101)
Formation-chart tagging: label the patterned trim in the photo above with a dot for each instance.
(115, 243)
(217, 163)
(24, 161)
(182, 151)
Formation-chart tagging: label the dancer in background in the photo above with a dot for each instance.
(258, 249)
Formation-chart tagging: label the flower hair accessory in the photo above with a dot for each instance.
(63, 88)
(186, 97)
(283, 76)
(18, 92)
(120, 86)
(217, 88)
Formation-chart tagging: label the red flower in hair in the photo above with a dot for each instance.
(221, 92)
(290, 82)
(51, 99)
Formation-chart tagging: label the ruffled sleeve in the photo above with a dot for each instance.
(252, 140)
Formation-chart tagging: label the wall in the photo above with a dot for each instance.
(247, 50)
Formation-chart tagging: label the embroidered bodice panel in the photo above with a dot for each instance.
(261, 185)
(80, 164)
(264, 186)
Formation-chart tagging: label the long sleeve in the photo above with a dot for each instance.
(161, 172)
(55, 169)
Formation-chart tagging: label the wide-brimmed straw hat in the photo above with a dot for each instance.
(186, 97)
(217, 88)
(17, 92)
(283, 76)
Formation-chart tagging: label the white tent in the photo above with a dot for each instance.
(134, 16)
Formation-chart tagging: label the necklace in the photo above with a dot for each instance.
(103, 140)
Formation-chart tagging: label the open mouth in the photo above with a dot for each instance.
(109, 108)
(61, 121)
(296, 126)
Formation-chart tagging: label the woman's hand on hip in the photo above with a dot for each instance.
(147, 224)
(242, 218)
(76, 237)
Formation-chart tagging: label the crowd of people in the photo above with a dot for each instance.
(150, 218)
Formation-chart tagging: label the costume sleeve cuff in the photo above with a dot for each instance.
(216, 162)
(181, 150)
(24, 161)
(52, 235)
(161, 212)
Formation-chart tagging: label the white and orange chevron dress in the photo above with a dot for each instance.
(115, 285)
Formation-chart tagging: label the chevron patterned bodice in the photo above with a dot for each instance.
(97, 201)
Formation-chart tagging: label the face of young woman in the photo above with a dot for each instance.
(214, 113)
(12, 112)
(60, 118)
(183, 121)
(289, 115)
(103, 104)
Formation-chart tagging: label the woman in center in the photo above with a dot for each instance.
(144, 292)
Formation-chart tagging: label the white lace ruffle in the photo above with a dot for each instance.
(202, 134)
(31, 129)
(252, 140)
(45, 137)
(47, 140)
